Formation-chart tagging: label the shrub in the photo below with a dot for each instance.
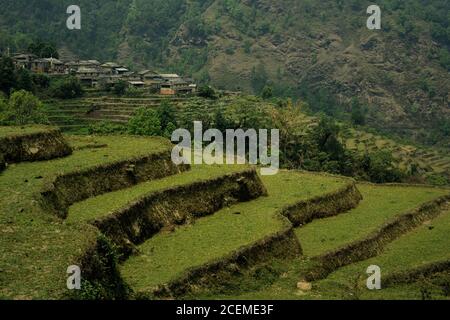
(267, 92)
(358, 114)
(40, 80)
(120, 88)
(166, 115)
(132, 92)
(106, 127)
(67, 88)
(22, 108)
(7, 75)
(145, 122)
(207, 92)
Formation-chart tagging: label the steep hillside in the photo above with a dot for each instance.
(320, 50)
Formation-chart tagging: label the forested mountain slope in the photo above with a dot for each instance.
(318, 50)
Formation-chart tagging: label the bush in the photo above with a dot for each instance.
(40, 80)
(67, 88)
(106, 127)
(145, 122)
(120, 88)
(380, 168)
(444, 58)
(7, 75)
(22, 108)
(358, 114)
(132, 92)
(24, 80)
(166, 115)
(207, 92)
(267, 92)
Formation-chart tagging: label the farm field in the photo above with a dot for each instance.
(166, 256)
(37, 245)
(141, 227)
(426, 244)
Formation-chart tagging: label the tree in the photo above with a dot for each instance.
(67, 88)
(24, 80)
(220, 122)
(380, 167)
(207, 92)
(267, 92)
(43, 49)
(40, 80)
(120, 88)
(145, 122)
(7, 75)
(358, 116)
(444, 58)
(24, 108)
(166, 113)
(258, 78)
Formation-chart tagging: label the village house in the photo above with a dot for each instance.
(23, 61)
(73, 66)
(40, 66)
(56, 66)
(170, 77)
(151, 79)
(111, 68)
(177, 86)
(88, 75)
(92, 73)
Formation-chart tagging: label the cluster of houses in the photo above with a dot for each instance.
(93, 73)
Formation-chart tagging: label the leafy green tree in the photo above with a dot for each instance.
(247, 46)
(8, 78)
(207, 92)
(267, 92)
(167, 115)
(145, 122)
(120, 88)
(220, 122)
(24, 108)
(170, 128)
(43, 49)
(358, 116)
(67, 88)
(259, 78)
(380, 167)
(40, 80)
(444, 58)
(24, 80)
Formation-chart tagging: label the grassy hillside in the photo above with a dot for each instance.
(140, 227)
(423, 246)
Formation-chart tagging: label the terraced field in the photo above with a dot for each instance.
(141, 227)
(421, 250)
(348, 243)
(74, 114)
(37, 246)
(427, 162)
